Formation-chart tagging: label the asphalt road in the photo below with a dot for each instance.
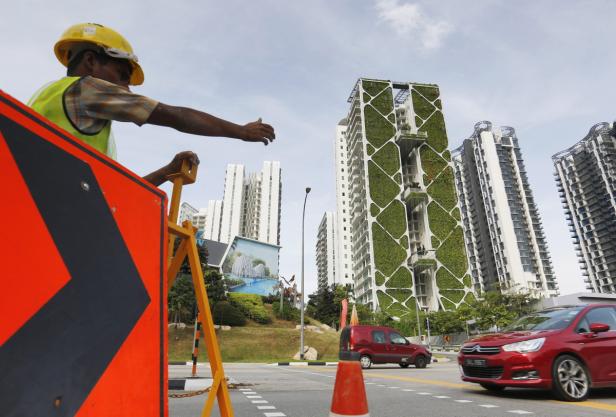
(273, 391)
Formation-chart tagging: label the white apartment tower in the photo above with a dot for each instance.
(251, 205)
(213, 219)
(186, 213)
(326, 252)
(504, 237)
(344, 255)
(232, 206)
(585, 175)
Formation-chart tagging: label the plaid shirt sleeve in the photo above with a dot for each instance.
(92, 100)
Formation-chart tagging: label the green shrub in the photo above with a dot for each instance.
(374, 87)
(429, 92)
(374, 210)
(441, 223)
(442, 189)
(468, 282)
(447, 305)
(421, 106)
(404, 242)
(370, 149)
(289, 312)
(456, 214)
(437, 135)
(379, 278)
(431, 163)
(444, 280)
(225, 313)
(447, 156)
(378, 129)
(398, 178)
(454, 295)
(411, 304)
(397, 310)
(251, 306)
(388, 255)
(470, 298)
(452, 253)
(382, 188)
(400, 294)
(388, 158)
(393, 219)
(438, 104)
(384, 299)
(401, 279)
(435, 242)
(384, 102)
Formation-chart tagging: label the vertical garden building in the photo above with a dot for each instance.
(406, 237)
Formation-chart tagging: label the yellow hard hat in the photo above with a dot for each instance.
(112, 43)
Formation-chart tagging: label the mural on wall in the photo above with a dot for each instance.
(251, 267)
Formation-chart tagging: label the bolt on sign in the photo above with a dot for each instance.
(83, 280)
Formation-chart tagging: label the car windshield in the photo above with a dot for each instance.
(545, 320)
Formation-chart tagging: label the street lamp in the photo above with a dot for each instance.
(301, 334)
(428, 327)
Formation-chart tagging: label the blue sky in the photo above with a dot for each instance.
(543, 67)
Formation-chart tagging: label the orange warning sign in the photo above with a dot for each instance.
(83, 277)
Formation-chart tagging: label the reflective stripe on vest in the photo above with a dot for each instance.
(49, 102)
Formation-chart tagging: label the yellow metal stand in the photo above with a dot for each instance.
(188, 248)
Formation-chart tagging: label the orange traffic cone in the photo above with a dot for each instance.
(349, 397)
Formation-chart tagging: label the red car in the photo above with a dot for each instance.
(566, 349)
(379, 344)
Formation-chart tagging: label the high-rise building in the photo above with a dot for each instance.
(212, 220)
(326, 252)
(186, 213)
(505, 243)
(251, 205)
(406, 238)
(344, 255)
(233, 204)
(586, 179)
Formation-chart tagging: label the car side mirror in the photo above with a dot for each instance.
(599, 327)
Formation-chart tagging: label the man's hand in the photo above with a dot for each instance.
(159, 176)
(258, 132)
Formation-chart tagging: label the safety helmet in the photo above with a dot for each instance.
(110, 41)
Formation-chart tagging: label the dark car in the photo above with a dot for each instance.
(379, 344)
(566, 349)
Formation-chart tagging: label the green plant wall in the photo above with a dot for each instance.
(452, 282)
(387, 214)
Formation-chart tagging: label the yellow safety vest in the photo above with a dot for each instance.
(49, 102)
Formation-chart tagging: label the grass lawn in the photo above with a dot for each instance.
(255, 343)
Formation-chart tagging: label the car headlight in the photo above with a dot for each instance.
(526, 346)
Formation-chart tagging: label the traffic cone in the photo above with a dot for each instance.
(349, 397)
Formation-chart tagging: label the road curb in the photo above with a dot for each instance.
(305, 364)
(194, 384)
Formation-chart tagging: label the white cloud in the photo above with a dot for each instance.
(409, 19)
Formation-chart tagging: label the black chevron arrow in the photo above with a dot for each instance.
(50, 365)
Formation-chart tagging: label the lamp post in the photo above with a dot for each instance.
(301, 334)
(428, 327)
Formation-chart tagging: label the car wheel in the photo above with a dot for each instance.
(404, 365)
(571, 381)
(420, 362)
(365, 361)
(493, 387)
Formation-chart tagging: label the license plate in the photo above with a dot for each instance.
(475, 362)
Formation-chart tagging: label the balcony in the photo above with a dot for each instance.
(407, 140)
(414, 196)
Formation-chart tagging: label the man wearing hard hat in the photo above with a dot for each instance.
(100, 66)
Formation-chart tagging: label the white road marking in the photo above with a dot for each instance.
(441, 396)
(380, 385)
(275, 414)
(369, 383)
(259, 401)
(408, 390)
(519, 412)
(463, 401)
(266, 407)
(254, 396)
(488, 406)
(249, 392)
(245, 389)
(394, 387)
(424, 393)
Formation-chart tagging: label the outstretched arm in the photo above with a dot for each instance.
(199, 123)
